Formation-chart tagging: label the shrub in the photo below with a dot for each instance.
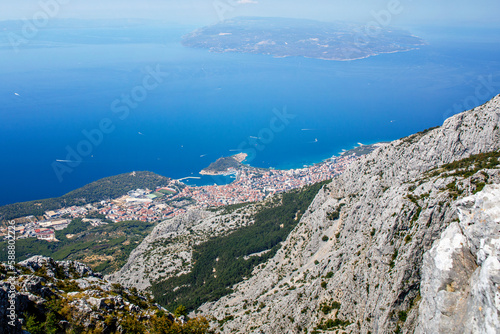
(33, 326)
(336, 305)
(402, 315)
(180, 311)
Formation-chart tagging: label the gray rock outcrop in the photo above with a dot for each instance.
(76, 296)
(461, 273)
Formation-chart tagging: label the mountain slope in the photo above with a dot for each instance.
(197, 257)
(355, 260)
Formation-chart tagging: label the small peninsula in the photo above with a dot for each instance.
(286, 37)
(224, 164)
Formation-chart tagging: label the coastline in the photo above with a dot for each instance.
(235, 161)
(240, 157)
(318, 57)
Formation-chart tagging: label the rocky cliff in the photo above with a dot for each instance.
(461, 273)
(394, 244)
(167, 251)
(41, 295)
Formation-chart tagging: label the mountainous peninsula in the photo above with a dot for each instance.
(286, 37)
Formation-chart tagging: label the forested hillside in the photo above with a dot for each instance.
(106, 188)
(224, 260)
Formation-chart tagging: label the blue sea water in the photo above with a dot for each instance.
(207, 105)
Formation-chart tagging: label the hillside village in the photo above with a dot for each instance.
(251, 185)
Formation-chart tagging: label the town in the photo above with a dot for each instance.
(250, 185)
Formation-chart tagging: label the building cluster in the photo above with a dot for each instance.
(72, 211)
(251, 185)
(30, 227)
(144, 211)
(140, 204)
(256, 184)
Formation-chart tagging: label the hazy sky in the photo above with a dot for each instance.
(446, 12)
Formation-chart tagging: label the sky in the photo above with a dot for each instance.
(401, 12)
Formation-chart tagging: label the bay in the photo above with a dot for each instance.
(207, 105)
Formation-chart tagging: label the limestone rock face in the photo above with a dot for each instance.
(157, 256)
(65, 268)
(355, 261)
(461, 273)
(167, 250)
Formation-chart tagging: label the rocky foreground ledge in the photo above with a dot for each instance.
(68, 297)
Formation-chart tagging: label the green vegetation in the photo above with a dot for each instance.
(223, 261)
(335, 214)
(479, 187)
(416, 136)
(76, 226)
(453, 190)
(327, 308)
(468, 166)
(332, 324)
(402, 315)
(166, 192)
(180, 311)
(232, 208)
(393, 258)
(427, 130)
(414, 200)
(106, 188)
(104, 248)
(360, 150)
(222, 165)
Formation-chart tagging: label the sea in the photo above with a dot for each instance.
(79, 104)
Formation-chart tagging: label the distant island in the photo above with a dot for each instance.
(224, 164)
(285, 37)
